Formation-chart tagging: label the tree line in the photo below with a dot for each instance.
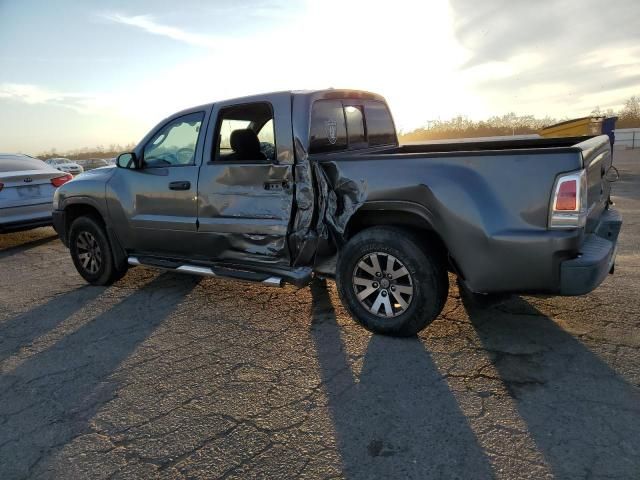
(511, 124)
(100, 151)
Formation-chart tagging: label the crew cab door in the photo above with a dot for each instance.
(245, 189)
(156, 208)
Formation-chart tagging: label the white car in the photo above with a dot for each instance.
(27, 186)
(65, 165)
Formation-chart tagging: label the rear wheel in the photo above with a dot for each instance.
(391, 282)
(91, 252)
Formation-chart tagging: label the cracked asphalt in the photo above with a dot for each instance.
(168, 376)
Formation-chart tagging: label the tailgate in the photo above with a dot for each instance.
(596, 157)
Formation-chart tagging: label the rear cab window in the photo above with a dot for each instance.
(328, 131)
(380, 127)
(348, 124)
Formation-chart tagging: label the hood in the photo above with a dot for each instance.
(102, 173)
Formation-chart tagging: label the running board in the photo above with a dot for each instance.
(270, 281)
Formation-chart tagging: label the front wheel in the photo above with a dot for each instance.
(91, 252)
(391, 282)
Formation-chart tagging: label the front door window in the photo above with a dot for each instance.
(175, 144)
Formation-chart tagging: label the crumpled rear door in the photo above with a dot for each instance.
(244, 207)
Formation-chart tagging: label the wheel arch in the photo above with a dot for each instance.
(403, 214)
(75, 208)
(78, 207)
(428, 277)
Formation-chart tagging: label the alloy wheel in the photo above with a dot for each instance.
(89, 252)
(382, 284)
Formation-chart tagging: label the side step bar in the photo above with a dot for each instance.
(270, 281)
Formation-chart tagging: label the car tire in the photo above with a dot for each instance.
(91, 252)
(398, 304)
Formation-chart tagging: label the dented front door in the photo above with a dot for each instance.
(244, 206)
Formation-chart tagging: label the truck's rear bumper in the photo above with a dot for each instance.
(584, 273)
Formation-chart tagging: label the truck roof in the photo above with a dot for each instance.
(312, 95)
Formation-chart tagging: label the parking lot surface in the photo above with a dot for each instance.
(169, 376)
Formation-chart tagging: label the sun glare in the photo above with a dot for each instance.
(402, 53)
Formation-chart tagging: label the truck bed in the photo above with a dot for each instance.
(488, 201)
(593, 151)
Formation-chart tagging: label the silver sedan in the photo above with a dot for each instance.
(26, 192)
(65, 165)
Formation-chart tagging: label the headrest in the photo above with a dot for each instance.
(245, 143)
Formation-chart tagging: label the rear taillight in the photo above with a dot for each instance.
(569, 202)
(567, 198)
(58, 181)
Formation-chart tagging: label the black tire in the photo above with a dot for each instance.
(425, 266)
(85, 228)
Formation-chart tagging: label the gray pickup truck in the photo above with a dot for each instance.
(280, 187)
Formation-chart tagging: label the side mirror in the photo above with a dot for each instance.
(127, 160)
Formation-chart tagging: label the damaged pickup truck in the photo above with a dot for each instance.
(280, 187)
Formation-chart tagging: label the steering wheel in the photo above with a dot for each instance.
(182, 151)
(160, 161)
(268, 149)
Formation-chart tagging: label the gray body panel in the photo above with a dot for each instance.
(88, 189)
(149, 216)
(490, 210)
(489, 203)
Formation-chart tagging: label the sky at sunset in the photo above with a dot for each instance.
(84, 73)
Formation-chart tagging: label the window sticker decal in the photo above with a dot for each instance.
(332, 131)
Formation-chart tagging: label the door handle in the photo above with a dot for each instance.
(180, 185)
(276, 185)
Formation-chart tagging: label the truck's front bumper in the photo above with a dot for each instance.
(59, 224)
(584, 273)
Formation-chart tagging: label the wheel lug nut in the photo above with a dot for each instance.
(378, 274)
(384, 293)
(393, 289)
(375, 285)
(388, 275)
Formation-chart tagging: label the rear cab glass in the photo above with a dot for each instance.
(328, 131)
(380, 127)
(348, 124)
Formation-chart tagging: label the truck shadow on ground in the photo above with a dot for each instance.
(23, 329)
(398, 418)
(50, 398)
(583, 417)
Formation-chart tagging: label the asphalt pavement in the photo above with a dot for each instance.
(169, 376)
